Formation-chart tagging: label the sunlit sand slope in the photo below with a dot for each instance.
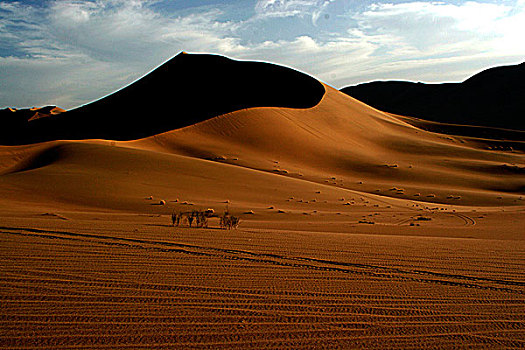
(344, 143)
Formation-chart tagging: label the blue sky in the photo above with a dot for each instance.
(71, 52)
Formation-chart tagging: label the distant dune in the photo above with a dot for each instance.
(493, 97)
(14, 122)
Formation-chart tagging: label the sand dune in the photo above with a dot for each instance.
(183, 91)
(331, 144)
(361, 148)
(339, 144)
(359, 229)
(12, 114)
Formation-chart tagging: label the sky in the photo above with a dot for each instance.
(68, 53)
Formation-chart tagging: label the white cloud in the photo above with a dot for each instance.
(437, 27)
(70, 14)
(289, 8)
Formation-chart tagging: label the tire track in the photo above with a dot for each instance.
(374, 271)
(467, 219)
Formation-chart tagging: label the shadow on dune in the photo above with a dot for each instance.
(492, 98)
(187, 89)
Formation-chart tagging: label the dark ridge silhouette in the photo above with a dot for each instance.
(20, 116)
(483, 132)
(14, 122)
(494, 97)
(187, 89)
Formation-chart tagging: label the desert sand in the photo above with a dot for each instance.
(359, 229)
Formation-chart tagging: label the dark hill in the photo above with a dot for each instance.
(494, 97)
(187, 89)
(14, 122)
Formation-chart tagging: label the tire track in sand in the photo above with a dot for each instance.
(467, 219)
(374, 271)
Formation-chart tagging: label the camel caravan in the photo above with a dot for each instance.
(199, 218)
(228, 221)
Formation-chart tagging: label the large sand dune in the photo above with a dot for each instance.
(183, 91)
(332, 195)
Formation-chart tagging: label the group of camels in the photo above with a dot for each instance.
(200, 219)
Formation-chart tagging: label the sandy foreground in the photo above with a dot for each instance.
(120, 280)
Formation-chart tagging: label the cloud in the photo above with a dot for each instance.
(290, 8)
(431, 27)
(432, 41)
(436, 41)
(65, 81)
(326, 60)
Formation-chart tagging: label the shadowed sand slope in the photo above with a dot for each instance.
(185, 90)
(493, 97)
(14, 122)
(508, 138)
